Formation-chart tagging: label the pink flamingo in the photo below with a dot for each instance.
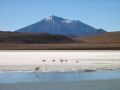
(37, 69)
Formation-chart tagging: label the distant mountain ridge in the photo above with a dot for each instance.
(58, 25)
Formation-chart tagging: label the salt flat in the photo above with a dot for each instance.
(50, 60)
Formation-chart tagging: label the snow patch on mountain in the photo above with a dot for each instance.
(67, 21)
(49, 19)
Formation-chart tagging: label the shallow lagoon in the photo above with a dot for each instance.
(17, 77)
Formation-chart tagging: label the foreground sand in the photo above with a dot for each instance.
(76, 85)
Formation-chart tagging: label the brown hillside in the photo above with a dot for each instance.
(32, 38)
(44, 41)
(106, 38)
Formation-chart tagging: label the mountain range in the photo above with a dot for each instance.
(58, 25)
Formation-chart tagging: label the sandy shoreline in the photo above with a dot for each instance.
(59, 68)
(69, 66)
(112, 84)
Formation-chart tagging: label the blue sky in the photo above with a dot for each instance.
(15, 14)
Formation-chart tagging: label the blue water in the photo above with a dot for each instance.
(15, 77)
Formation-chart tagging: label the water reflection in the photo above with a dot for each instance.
(37, 75)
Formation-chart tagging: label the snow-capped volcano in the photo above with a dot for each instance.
(58, 25)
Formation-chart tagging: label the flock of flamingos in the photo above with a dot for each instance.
(61, 60)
